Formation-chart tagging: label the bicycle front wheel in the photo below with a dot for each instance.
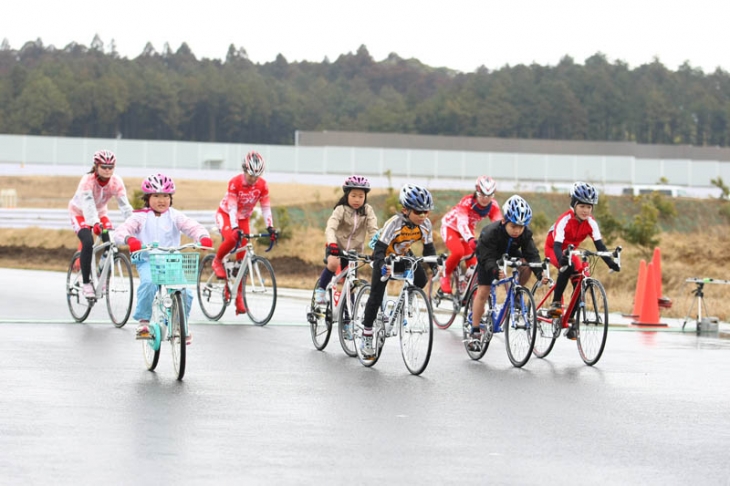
(444, 307)
(476, 352)
(213, 294)
(519, 332)
(320, 320)
(178, 334)
(378, 336)
(119, 290)
(79, 305)
(548, 328)
(593, 318)
(259, 290)
(344, 319)
(416, 331)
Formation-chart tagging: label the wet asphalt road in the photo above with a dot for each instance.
(262, 406)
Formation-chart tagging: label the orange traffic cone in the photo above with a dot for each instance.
(656, 260)
(649, 315)
(639, 294)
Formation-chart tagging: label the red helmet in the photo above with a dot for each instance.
(105, 157)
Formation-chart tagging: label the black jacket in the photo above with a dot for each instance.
(494, 242)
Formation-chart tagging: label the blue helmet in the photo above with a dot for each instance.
(582, 192)
(415, 197)
(517, 211)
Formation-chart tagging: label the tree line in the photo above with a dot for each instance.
(81, 91)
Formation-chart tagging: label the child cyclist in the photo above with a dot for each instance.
(234, 213)
(88, 209)
(509, 236)
(571, 228)
(156, 222)
(352, 222)
(457, 226)
(396, 237)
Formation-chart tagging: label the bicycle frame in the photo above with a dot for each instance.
(232, 264)
(348, 279)
(499, 311)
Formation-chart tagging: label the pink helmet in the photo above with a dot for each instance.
(486, 185)
(253, 164)
(105, 157)
(158, 184)
(356, 182)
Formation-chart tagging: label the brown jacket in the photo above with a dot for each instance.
(350, 230)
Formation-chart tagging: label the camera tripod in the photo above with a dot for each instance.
(699, 299)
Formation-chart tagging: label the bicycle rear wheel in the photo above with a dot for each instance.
(444, 307)
(485, 325)
(79, 305)
(212, 292)
(320, 320)
(119, 290)
(345, 327)
(548, 329)
(259, 291)
(416, 331)
(178, 334)
(593, 319)
(519, 331)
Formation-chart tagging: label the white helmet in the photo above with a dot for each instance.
(253, 164)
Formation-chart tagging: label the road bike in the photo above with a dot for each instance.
(446, 306)
(172, 271)
(111, 276)
(252, 275)
(409, 316)
(515, 316)
(338, 306)
(587, 310)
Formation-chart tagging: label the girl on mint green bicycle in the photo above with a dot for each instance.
(509, 236)
(157, 223)
(353, 222)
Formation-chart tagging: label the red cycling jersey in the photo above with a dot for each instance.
(240, 200)
(570, 231)
(463, 217)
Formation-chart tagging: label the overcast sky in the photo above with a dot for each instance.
(458, 34)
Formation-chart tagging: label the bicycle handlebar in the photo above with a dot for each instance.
(256, 235)
(153, 246)
(392, 259)
(514, 262)
(354, 255)
(584, 254)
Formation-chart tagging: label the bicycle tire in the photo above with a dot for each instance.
(119, 290)
(151, 347)
(378, 333)
(593, 321)
(344, 322)
(259, 292)
(212, 296)
(416, 331)
(548, 329)
(78, 305)
(178, 334)
(444, 307)
(320, 320)
(485, 325)
(519, 331)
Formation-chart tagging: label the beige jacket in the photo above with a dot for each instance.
(350, 230)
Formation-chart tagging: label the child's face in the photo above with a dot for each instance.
(582, 211)
(483, 200)
(416, 217)
(104, 171)
(159, 203)
(250, 180)
(356, 198)
(514, 230)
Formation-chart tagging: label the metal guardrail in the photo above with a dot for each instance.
(59, 218)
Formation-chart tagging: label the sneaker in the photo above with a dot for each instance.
(572, 333)
(143, 330)
(189, 338)
(445, 285)
(475, 340)
(555, 310)
(319, 297)
(240, 306)
(367, 347)
(218, 268)
(88, 291)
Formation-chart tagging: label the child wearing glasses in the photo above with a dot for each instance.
(88, 209)
(396, 238)
(457, 226)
